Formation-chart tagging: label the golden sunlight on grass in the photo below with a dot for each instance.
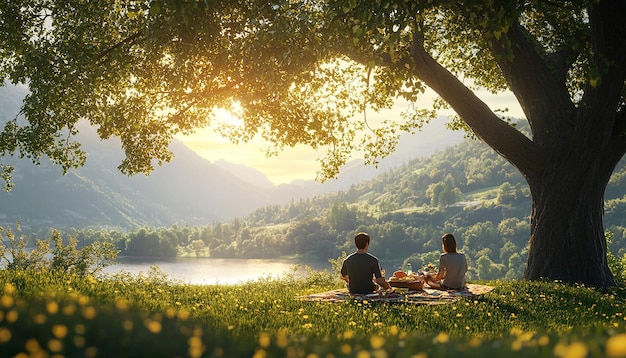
(136, 317)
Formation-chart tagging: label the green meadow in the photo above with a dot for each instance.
(45, 314)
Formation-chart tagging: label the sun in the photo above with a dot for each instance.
(226, 118)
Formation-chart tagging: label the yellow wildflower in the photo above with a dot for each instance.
(616, 346)
(264, 340)
(153, 326)
(59, 330)
(442, 338)
(5, 335)
(52, 307)
(7, 301)
(377, 342)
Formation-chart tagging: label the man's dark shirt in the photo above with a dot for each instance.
(361, 268)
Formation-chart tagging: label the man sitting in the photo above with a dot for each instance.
(360, 267)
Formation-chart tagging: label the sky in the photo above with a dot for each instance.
(300, 162)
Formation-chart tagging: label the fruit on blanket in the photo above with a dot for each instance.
(405, 278)
(399, 274)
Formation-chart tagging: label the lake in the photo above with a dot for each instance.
(209, 271)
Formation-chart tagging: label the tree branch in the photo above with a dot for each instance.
(536, 84)
(561, 61)
(175, 118)
(604, 102)
(127, 41)
(509, 142)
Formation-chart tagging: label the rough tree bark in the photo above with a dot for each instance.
(567, 234)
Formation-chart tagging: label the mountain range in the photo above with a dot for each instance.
(190, 190)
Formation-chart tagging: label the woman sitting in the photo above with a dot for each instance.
(452, 267)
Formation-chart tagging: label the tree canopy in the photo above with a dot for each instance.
(308, 72)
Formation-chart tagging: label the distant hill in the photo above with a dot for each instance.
(247, 174)
(189, 190)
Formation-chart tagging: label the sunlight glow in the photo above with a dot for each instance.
(227, 118)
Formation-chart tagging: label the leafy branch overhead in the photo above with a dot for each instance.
(146, 73)
(295, 74)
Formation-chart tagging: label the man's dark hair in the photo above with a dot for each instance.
(361, 240)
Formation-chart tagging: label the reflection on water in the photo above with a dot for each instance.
(212, 270)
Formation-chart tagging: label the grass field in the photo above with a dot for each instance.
(50, 315)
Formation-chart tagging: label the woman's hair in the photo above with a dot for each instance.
(361, 239)
(449, 243)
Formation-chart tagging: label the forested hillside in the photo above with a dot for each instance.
(467, 190)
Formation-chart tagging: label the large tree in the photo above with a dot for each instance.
(308, 72)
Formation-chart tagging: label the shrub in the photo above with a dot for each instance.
(52, 254)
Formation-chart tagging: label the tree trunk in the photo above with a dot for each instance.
(567, 241)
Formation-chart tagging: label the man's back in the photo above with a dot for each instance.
(361, 268)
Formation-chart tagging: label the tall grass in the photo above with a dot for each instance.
(56, 315)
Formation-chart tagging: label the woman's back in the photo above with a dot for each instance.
(455, 266)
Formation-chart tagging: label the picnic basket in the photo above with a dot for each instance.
(414, 285)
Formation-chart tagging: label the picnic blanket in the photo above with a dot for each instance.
(427, 295)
